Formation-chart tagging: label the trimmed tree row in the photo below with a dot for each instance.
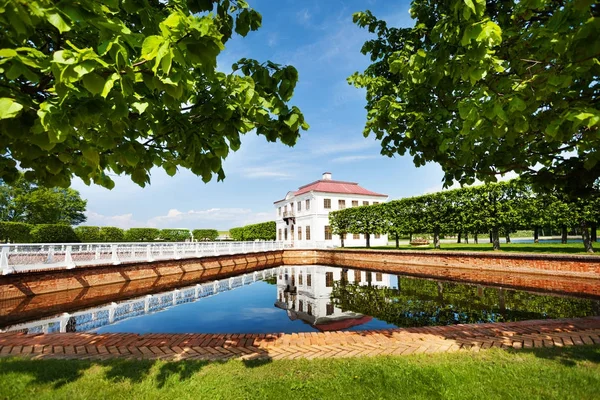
(261, 231)
(495, 209)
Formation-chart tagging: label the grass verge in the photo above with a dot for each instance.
(547, 373)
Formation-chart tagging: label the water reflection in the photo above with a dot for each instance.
(309, 299)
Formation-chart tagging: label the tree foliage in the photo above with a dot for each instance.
(141, 234)
(487, 87)
(261, 231)
(494, 208)
(15, 232)
(53, 233)
(90, 87)
(205, 234)
(175, 235)
(27, 202)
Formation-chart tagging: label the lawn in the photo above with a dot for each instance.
(547, 373)
(569, 248)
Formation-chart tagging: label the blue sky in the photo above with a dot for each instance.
(319, 39)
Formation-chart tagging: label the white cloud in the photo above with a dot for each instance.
(331, 147)
(124, 221)
(265, 172)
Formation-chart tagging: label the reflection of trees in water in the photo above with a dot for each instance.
(71, 325)
(419, 302)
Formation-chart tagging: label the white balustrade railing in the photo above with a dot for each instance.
(97, 317)
(31, 257)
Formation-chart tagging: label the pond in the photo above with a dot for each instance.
(310, 299)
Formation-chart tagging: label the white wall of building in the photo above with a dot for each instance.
(317, 217)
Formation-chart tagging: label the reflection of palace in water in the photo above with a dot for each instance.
(305, 292)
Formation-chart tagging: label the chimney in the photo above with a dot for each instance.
(326, 176)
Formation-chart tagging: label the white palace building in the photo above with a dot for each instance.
(303, 216)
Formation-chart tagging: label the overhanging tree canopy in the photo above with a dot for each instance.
(89, 87)
(486, 87)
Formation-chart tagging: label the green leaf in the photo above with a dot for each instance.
(91, 155)
(140, 107)
(9, 108)
(7, 53)
(108, 85)
(60, 24)
(151, 46)
(94, 83)
(170, 169)
(471, 6)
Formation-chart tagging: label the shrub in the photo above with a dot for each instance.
(112, 234)
(237, 234)
(175, 235)
(141, 234)
(205, 234)
(15, 232)
(53, 233)
(88, 234)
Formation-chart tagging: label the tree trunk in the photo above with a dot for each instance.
(342, 239)
(507, 237)
(496, 238)
(458, 239)
(466, 238)
(491, 237)
(440, 290)
(368, 236)
(476, 238)
(410, 238)
(436, 238)
(585, 234)
(563, 234)
(536, 235)
(397, 241)
(594, 228)
(501, 300)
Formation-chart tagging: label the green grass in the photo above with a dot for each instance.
(569, 248)
(555, 373)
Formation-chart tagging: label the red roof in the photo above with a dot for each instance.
(329, 186)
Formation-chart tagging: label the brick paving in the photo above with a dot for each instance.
(401, 341)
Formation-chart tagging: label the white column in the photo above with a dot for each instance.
(4, 267)
(68, 259)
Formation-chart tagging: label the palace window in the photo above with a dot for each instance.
(307, 204)
(279, 234)
(328, 279)
(375, 202)
(357, 276)
(341, 204)
(299, 233)
(365, 203)
(377, 236)
(309, 309)
(279, 209)
(300, 279)
(285, 234)
(328, 235)
(378, 276)
(307, 232)
(356, 236)
(300, 306)
(354, 203)
(327, 204)
(299, 206)
(329, 309)
(308, 280)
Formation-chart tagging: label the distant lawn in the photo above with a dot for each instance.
(551, 373)
(569, 248)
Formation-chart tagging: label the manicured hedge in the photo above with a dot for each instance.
(88, 234)
(15, 232)
(175, 235)
(205, 234)
(50, 233)
(141, 234)
(112, 234)
(262, 231)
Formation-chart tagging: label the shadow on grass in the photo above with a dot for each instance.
(569, 356)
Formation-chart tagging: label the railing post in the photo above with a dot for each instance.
(97, 254)
(197, 249)
(198, 290)
(216, 287)
(4, 267)
(64, 320)
(111, 312)
(176, 252)
(215, 248)
(50, 258)
(147, 303)
(68, 259)
(115, 256)
(149, 253)
(175, 296)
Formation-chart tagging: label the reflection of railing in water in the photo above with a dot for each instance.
(94, 318)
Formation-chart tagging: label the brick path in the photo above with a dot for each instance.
(517, 335)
